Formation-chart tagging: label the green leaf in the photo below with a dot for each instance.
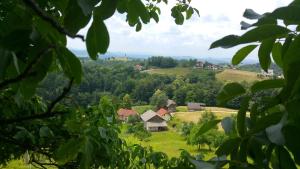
(250, 14)
(106, 9)
(263, 32)
(87, 153)
(176, 13)
(292, 136)
(207, 126)
(227, 124)
(137, 9)
(87, 6)
(241, 54)
(68, 151)
(228, 146)
(291, 61)
(6, 60)
(264, 53)
(97, 40)
(189, 13)
(267, 84)
(289, 14)
(245, 25)
(226, 42)
(266, 121)
(138, 26)
(154, 15)
(284, 158)
(257, 34)
(70, 64)
(276, 54)
(241, 116)
(74, 18)
(230, 91)
(45, 132)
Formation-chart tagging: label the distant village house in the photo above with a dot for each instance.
(138, 67)
(269, 73)
(199, 65)
(123, 114)
(153, 121)
(195, 106)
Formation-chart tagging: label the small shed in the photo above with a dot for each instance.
(153, 121)
(195, 106)
(123, 114)
(171, 106)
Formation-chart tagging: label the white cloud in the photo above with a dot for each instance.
(218, 18)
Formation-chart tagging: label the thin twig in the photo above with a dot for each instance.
(66, 90)
(32, 4)
(27, 71)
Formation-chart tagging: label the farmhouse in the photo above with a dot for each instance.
(171, 106)
(199, 65)
(269, 73)
(123, 114)
(164, 114)
(195, 106)
(153, 121)
(138, 67)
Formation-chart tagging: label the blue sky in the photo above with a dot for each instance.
(218, 18)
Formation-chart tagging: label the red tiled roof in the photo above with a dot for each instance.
(126, 112)
(162, 112)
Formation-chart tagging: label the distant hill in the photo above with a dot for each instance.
(131, 55)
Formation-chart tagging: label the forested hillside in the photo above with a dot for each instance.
(116, 79)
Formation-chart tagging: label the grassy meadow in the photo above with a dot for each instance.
(185, 116)
(231, 75)
(177, 71)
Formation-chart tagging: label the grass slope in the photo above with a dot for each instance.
(185, 116)
(231, 75)
(169, 142)
(177, 71)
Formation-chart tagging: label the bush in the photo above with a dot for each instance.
(139, 131)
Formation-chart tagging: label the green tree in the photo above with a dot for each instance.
(159, 99)
(127, 102)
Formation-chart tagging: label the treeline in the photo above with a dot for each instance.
(169, 62)
(117, 79)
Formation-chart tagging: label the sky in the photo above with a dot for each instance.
(218, 18)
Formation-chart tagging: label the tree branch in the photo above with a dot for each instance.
(27, 70)
(46, 114)
(33, 5)
(66, 90)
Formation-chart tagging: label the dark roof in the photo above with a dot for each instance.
(194, 106)
(170, 102)
(126, 112)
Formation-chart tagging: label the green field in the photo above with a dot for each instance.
(169, 142)
(185, 116)
(231, 75)
(177, 71)
(227, 75)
